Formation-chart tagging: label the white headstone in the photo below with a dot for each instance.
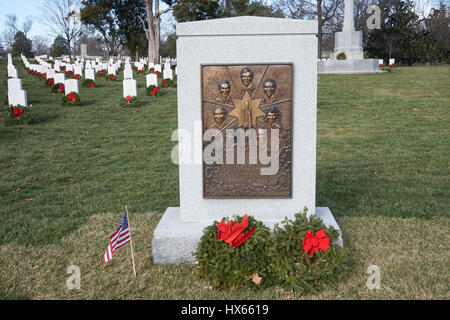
(158, 67)
(17, 98)
(84, 50)
(391, 62)
(14, 84)
(380, 62)
(112, 70)
(59, 78)
(90, 74)
(71, 85)
(78, 70)
(12, 73)
(168, 74)
(152, 80)
(129, 88)
(128, 73)
(167, 66)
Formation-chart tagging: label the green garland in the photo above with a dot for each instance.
(226, 266)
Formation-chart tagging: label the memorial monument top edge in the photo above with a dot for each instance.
(246, 25)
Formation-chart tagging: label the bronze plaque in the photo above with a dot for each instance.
(254, 101)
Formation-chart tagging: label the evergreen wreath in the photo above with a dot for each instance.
(225, 265)
(50, 82)
(168, 83)
(341, 56)
(153, 90)
(58, 88)
(16, 115)
(110, 77)
(88, 83)
(72, 99)
(298, 265)
(130, 101)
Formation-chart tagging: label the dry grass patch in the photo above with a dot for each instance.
(412, 254)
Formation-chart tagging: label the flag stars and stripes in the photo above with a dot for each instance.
(119, 238)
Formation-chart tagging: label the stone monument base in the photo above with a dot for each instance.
(348, 66)
(175, 241)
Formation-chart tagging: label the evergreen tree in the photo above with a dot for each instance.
(60, 47)
(22, 45)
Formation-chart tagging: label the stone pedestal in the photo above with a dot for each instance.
(175, 240)
(349, 42)
(242, 41)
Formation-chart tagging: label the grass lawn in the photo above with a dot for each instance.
(382, 168)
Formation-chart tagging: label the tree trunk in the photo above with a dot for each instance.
(150, 33)
(157, 28)
(319, 32)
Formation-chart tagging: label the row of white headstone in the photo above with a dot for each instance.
(70, 85)
(91, 67)
(16, 95)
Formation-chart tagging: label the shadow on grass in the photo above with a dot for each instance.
(40, 119)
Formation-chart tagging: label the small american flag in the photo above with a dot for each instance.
(119, 238)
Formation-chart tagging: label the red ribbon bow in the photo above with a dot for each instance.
(234, 234)
(72, 97)
(154, 91)
(18, 112)
(50, 82)
(128, 99)
(91, 85)
(164, 82)
(312, 243)
(61, 88)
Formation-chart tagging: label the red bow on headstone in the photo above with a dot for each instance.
(234, 234)
(18, 112)
(312, 243)
(154, 91)
(72, 97)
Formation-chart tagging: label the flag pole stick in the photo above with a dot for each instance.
(131, 240)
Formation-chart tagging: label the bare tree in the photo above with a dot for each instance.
(12, 28)
(153, 28)
(40, 45)
(62, 18)
(327, 12)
